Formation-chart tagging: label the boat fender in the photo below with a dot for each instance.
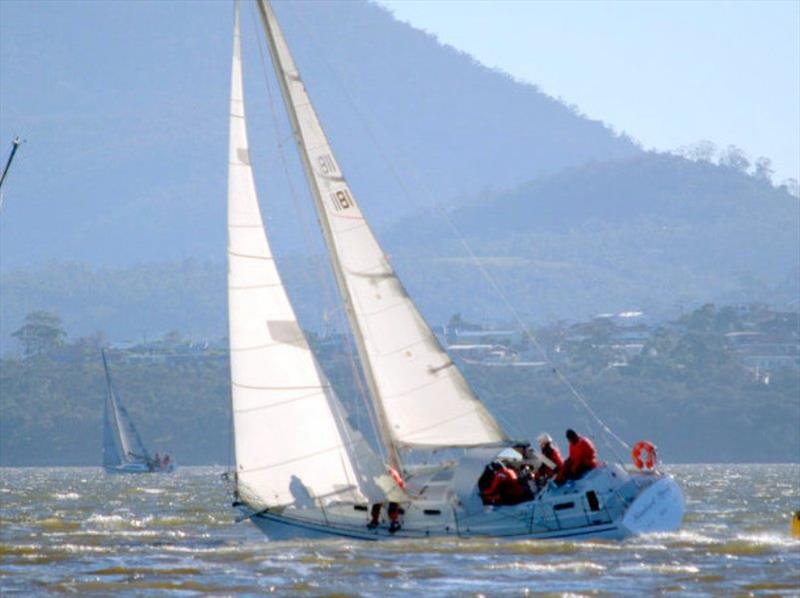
(795, 527)
(644, 455)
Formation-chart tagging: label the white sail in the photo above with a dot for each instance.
(292, 445)
(121, 441)
(421, 397)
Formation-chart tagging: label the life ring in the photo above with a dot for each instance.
(396, 477)
(649, 450)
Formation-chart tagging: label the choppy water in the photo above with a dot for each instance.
(77, 530)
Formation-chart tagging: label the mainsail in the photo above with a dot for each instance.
(292, 443)
(121, 441)
(421, 398)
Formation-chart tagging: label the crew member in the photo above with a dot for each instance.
(394, 511)
(375, 515)
(582, 457)
(504, 488)
(551, 453)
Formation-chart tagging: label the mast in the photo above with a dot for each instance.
(14, 147)
(271, 28)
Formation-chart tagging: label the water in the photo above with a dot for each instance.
(79, 531)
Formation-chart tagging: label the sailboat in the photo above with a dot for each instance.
(123, 449)
(301, 469)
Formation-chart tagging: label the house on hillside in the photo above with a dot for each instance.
(763, 351)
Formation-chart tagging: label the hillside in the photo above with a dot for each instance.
(686, 391)
(98, 184)
(655, 232)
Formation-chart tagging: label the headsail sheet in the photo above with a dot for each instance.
(421, 396)
(291, 445)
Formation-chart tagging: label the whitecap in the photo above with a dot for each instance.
(574, 567)
(66, 496)
(664, 568)
(108, 521)
(766, 539)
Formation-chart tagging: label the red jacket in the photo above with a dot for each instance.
(504, 485)
(551, 452)
(582, 455)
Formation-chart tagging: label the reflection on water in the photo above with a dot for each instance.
(77, 530)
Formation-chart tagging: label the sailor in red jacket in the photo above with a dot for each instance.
(582, 457)
(551, 453)
(504, 488)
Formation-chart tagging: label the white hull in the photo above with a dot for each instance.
(136, 468)
(656, 505)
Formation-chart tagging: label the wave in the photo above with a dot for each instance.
(66, 496)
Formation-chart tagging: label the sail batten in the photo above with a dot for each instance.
(399, 353)
(290, 442)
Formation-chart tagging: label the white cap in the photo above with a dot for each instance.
(544, 439)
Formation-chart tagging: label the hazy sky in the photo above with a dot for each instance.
(667, 73)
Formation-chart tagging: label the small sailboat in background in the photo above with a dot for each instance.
(302, 470)
(123, 449)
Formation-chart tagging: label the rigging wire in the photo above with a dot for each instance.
(330, 295)
(432, 204)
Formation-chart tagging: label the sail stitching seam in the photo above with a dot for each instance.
(280, 403)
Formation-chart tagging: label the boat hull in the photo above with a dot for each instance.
(278, 528)
(132, 468)
(657, 506)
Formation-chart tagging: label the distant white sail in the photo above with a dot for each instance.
(292, 446)
(422, 398)
(121, 441)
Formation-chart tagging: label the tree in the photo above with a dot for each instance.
(735, 158)
(41, 332)
(763, 169)
(702, 151)
(792, 187)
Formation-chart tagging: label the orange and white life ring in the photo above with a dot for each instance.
(644, 455)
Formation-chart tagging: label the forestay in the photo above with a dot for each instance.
(420, 395)
(292, 447)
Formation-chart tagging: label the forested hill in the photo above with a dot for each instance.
(687, 390)
(652, 232)
(109, 186)
(655, 232)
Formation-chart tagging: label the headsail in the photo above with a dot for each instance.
(292, 445)
(121, 441)
(421, 397)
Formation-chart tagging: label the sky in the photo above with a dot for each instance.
(667, 73)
